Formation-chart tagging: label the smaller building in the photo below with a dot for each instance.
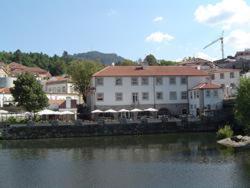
(205, 98)
(59, 84)
(229, 79)
(5, 97)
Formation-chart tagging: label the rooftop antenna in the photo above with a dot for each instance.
(221, 39)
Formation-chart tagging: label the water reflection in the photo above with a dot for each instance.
(141, 160)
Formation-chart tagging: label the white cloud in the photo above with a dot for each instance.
(238, 39)
(204, 56)
(158, 19)
(225, 13)
(159, 37)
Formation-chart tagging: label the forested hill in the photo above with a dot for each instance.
(104, 58)
(56, 65)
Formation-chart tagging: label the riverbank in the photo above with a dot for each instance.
(80, 129)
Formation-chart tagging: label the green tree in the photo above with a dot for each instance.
(168, 63)
(28, 93)
(81, 72)
(242, 105)
(151, 60)
(126, 63)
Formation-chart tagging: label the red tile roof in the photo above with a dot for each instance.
(5, 90)
(207, 86)
(16, 68)
(149, 71)
(57, 79)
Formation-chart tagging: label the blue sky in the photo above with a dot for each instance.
(132, 29)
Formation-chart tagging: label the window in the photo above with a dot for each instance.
(191, 94)
(99, 96)
(135, 97)
(145, 96)
(99, 81)
(233, 86)
(215, 93)
(212, 76)
(221, 75)
(183, 80)
(134, 81)
(159, 95)
(183, 95)
(172, 80)
(159, 81)
(172, 95)
(194, 94)
(118, 81)
(209, 107)
(197, 94)
(118, 96)
(207, 93)
(191, 106)
(144, 81)
(63, 89)
(231, 74)
(58, 90)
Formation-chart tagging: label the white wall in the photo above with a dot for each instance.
(58, 88)
(227, 81)
(215, 102)
(109, 89)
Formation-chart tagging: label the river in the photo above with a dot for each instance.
(170, 160)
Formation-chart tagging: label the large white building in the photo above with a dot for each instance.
(128, 87)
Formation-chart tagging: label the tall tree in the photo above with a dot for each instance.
(151, 60)
(242, 106)
(28, 93)
(81, 73)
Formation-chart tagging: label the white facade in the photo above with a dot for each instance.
(61, 96)
(229, 80)
(59, 87)
(5, 99)
(202, 100)
(152, 91)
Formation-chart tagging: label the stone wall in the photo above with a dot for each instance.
(101, 129)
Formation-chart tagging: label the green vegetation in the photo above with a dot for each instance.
(55, 65)
(28, 93)
(81, 73)
(168, 63)
(242, 106)
(225, 132)
(151, 60)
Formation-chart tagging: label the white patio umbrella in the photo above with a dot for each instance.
(48, 112)
(96, 111)
(4, 112)
(67, 113)
(110, 111)
(151, 110)
(136, 110)
(123, 110)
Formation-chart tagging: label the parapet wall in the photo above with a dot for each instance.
(82, 130)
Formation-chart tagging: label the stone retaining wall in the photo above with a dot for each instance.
(83, 130)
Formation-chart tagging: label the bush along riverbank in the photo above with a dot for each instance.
(226, 138)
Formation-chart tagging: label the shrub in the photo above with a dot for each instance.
(225, 132)
(11, 120)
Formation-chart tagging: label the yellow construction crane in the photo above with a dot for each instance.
(221, 39)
